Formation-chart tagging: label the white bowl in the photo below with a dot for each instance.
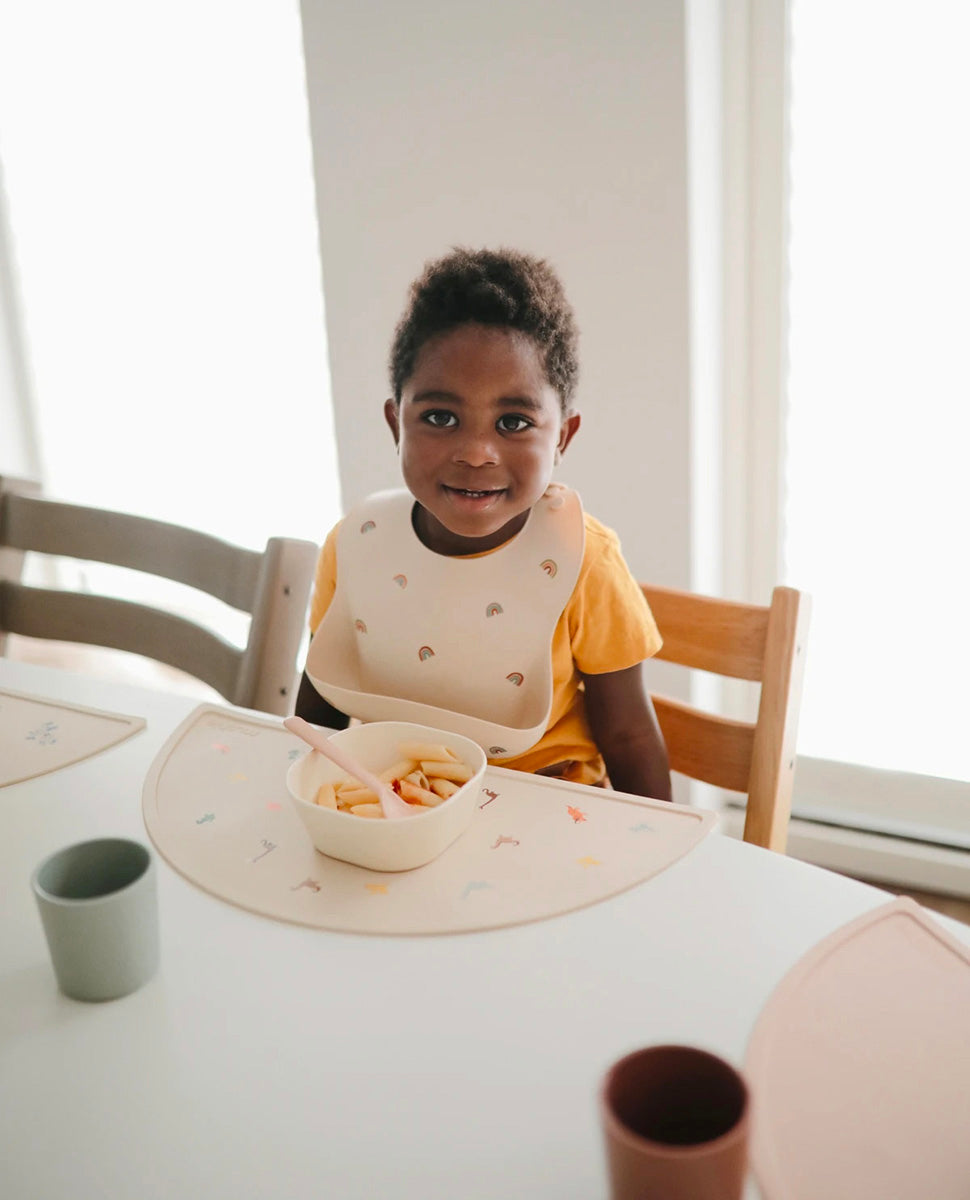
(398, 844)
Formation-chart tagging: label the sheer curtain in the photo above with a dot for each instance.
(158, 173)
(878, 497)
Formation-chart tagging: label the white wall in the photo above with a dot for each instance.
(559, 128)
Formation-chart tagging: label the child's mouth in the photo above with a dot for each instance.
(471, 494)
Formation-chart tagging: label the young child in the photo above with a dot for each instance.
(430, 594)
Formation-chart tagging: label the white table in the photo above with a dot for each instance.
(269, 1060)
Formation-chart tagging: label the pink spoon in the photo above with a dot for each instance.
(391, 803)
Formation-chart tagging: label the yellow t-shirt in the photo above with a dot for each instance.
(606, 626)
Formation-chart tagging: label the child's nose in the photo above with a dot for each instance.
(477, 448)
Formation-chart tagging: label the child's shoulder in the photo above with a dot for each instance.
(600, 539)
(603, 559)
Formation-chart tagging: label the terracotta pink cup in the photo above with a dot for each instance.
(676, 1124)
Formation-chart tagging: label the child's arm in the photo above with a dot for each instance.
(312, 707)
(624, 726)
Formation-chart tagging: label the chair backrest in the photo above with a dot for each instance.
(272, 586)
(765, 644)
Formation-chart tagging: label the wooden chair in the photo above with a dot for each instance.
(741, 641)
(272, 586)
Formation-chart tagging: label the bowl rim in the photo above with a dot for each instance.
(423, 816)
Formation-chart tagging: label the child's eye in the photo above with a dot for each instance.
(439, 418)
(512, 423)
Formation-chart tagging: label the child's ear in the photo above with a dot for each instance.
(570, 427)
(391, 415)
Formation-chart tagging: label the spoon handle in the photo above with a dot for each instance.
(391, 802)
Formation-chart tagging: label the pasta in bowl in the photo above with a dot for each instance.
(438, 772)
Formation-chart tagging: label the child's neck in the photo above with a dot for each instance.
(442, 540)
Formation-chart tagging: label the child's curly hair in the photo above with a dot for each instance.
(490, 287)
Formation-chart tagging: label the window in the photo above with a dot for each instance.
(157, 165)
(877, 494)
(846, 409)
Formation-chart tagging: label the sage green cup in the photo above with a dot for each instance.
(99, 908)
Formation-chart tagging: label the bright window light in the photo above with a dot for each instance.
(878, 478)
(158, 173)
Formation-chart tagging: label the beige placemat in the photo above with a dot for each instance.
(216, 806)
(859, 1066)
(39, 735)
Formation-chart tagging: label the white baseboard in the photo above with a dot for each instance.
(895, 861)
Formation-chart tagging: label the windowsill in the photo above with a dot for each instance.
(896, 862)
(906, 831)
(918, 808)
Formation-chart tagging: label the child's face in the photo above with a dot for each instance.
(478, 428)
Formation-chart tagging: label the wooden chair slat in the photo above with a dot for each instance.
(721, 636)
(773, 752)
(140, 543)
(704, 746)
(272, 586)
(761, 643)
(108, 621)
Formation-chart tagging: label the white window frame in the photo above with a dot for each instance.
(903, 829)
(21, 455)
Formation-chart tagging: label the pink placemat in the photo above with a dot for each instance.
(860, 1066)
(39, 735)
(216, 806)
